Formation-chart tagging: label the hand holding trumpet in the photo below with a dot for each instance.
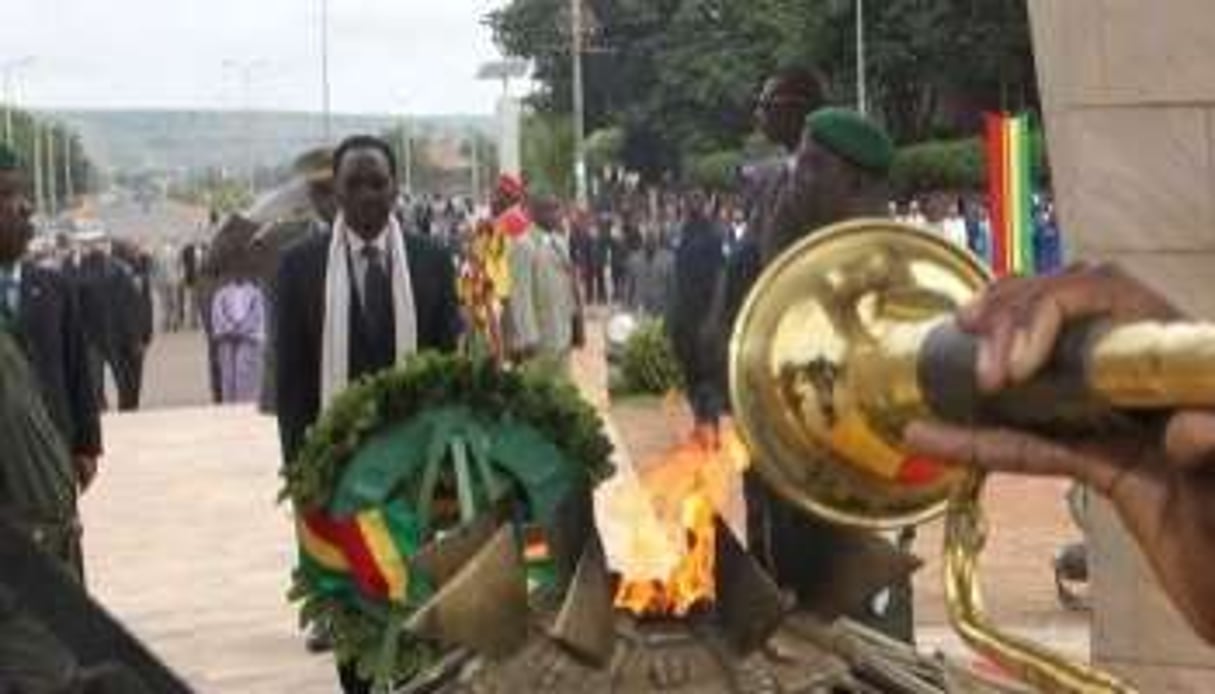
(1163, 489)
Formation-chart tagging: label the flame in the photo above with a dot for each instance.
(687, 489)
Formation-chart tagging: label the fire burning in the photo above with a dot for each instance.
(669, 513)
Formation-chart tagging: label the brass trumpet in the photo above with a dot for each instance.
(848, 337)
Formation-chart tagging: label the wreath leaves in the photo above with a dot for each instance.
(426, 382)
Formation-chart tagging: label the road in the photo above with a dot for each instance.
(163, 220)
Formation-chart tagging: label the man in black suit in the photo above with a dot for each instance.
(366, 188)
(38, 307)
(356, 300)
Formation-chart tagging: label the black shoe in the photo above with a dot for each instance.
(318, 641)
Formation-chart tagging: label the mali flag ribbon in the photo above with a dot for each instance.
(370, 550)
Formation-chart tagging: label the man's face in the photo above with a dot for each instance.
(323, 198)
(366, 190)
(780, 114)
(547, 214)
(697, 206)
(16, 227)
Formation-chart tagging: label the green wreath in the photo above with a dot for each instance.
(386, 445)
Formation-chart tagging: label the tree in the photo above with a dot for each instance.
(65, 167)
(442, 163)
(678, 77)
(548, 153)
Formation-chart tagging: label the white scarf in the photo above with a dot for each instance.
(335, 340)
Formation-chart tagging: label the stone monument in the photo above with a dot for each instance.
(1128, 90)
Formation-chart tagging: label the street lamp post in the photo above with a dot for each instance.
(407, 154)
(508, 111)
(9, 70)
(326, 104)
(476, 167)
(246, 69)
(579, 105)
(52, 170)
(39, 199)
(69, 187)
(862, 98)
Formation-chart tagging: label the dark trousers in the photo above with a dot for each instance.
(127, 363)
(705, 399)
(97, 362)
(596, 287)
(620, 282)
(797, 549)
(351, 682)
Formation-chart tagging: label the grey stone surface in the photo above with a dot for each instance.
(1129, 93)
(185, 542)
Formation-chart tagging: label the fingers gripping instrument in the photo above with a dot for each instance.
(849, 336)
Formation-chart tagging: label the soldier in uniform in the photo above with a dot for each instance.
(836, 171)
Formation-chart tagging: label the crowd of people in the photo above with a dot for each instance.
(964, 220)
(298, 309)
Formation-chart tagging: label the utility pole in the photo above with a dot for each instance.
(39, 200)
(326, 104)
(69, 187)
(52, 170)
(862, 97)
(476, 168)
(246, 68)
(8, 105)
(9, 70)
(579, 105)
(407, 154)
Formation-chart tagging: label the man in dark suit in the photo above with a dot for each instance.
(38, 307)
(366, 187)
(699, 261)
(356, 300)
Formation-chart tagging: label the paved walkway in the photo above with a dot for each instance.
(186, 544)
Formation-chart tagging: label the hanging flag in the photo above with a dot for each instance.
(1010, 190)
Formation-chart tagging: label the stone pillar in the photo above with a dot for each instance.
(1128, 91)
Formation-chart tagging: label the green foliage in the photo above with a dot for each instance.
(548, 153)
(648, 364)
(942, 165)
(553, 409)
(214, 191)
(716, 170)
(57, 164)
(680, 76)
(953, 165)
(416, 149)
(604, 147)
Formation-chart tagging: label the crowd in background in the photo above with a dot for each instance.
(114, 283)
(964, 220)
(623, 253)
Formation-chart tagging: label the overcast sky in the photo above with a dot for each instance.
(385, 55)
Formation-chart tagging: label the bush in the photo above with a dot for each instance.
(953, 165)
(716, 170)
(604, 147)
(943, 165)
(648, 366)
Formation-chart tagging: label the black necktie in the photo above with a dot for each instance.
(8, 290)
(377, 305)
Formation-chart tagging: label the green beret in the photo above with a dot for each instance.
(8, 159)
(852, 137)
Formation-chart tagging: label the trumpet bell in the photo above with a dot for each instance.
(824, 422)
